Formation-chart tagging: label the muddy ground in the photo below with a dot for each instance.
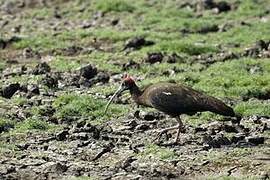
(54, 87)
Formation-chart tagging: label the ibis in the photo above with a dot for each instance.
(174, 100)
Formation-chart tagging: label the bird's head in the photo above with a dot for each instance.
(127, 84)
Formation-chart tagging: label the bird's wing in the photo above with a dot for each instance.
(174, 99)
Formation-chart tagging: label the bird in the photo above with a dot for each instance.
(174, 100)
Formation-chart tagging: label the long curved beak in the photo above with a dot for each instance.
(117, 93)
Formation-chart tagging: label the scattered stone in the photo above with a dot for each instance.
(262, 95)
(62, 135)
(4, 43)
(33, 90)
(50, 81)
(30, 53)
(257, 50)
(55, 167)
(137, 43)
(130, 65)
(154, 57)
(173, 58)
(217, 141)
(256, 140)
(217, 7)
(10, 90)
(127, 163)
(150, 116)
(88, 71)
(23, 146)
(41, 68)
(223, 6)
(237, 138)
(114, 22)
(200, 129)
(102, 77)
(142, 127)
(82, 136)
(106, 149)
(5, 127)
(71, 51)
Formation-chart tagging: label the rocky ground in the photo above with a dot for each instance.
(62, 60)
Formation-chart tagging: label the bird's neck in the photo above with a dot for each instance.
(135, 93)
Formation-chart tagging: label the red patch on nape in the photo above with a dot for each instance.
(128, 78)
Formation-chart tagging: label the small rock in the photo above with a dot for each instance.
(256, 140)
(62, 135)
(137, 43)
(88, 71)
(52, 167)
(114, 22)
(33, 90)
(41, 68)
(10, 90)
(102, 77)
(200, 129)
(173, 58)
(81, 136)
(230, 129)
(223, 6)
(50, 81)
(127, 162)
(217, 141)
(30, 53)
(130, 65)
(150, 116)
(154, 57)
(142, 127)
(238, 137)
(71, 51)
(22, 146)
(262, 45)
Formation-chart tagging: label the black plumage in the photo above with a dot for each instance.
(174, 100)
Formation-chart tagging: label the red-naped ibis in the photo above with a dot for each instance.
(174, 100)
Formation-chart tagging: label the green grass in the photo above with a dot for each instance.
(116, 5)
(32, 124)
(83, 106)
(158, 152)
(253, 107)
(60, 64)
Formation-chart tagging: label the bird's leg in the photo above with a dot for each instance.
(180, 128)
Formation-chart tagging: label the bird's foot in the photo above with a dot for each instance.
(160, 133)
(163, 131)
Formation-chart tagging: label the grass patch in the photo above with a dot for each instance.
(32, 124)
(233, 78)
(82, 106)
(2, 65)
(115, 5)
(253, 107)
(160, 153)
(60, 64)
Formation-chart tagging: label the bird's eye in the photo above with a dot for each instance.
(124, 83)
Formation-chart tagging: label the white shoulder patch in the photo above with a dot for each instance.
(167, 93)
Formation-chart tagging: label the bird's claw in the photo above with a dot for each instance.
(160, 133)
